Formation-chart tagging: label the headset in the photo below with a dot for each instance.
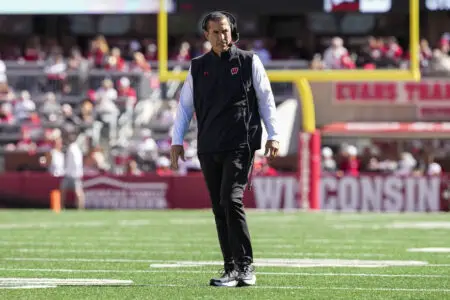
(235, 38)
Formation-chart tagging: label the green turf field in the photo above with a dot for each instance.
(173, 254)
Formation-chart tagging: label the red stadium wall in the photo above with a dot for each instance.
(363, 193)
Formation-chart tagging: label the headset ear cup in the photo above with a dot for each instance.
(205, 22)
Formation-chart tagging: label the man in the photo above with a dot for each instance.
(229, 90)
(73, 172)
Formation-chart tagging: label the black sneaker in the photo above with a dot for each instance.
(228, 278)
(246, 275)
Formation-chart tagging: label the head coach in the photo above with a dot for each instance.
(229, 91)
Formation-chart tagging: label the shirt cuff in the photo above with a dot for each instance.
(177, 141)
(273, 137)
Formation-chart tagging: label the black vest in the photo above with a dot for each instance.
(226, 120)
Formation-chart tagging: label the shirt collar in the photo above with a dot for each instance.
(227, 55)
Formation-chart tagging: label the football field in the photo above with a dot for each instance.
(173, 254)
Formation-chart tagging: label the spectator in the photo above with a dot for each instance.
(54, 160)
(95, 162)
(6, 116)
(140, 64)
(98, 52)
(6, 92)
(428, 166)
(440, 61)
(426, 53)
(76, 60)
(347, 62)
(406, 165)
(166, 115)
(56, 73)
(26, 143)
(50, 109)
(151, 53)
(24, 106)
(46, 144)
(191, 162)
(334, 54)
(133, 47)
(350, 163)
(317, 63)
(261, 51)
(328, 162)
(145, 147)
(107, 91)
(33, 51)
(73, 171)
(163, 166)
(87, 112)
(68, 117)
(3, 71)
(444, 45)
(126, 92)
(206, 47)
(132, 168)
(115, 62)
(106, 113)
(184, 52)
(262, 168)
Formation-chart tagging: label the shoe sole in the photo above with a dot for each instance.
(224, 284)
(247, 282)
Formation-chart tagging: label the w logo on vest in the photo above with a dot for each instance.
(234, 71)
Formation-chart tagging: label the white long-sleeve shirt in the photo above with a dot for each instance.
(74, 161)
(266, 104)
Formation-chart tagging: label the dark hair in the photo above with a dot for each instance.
(215, 17)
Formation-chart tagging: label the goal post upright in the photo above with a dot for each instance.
(301, 79)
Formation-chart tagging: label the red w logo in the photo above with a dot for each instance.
(234, 71)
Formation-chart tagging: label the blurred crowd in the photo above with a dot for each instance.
(125, 130)
(380, 52)
(381, 159)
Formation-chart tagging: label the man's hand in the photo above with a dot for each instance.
(272, 148)
(176, 152)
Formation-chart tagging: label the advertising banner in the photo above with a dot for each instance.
(381, 193)
(375, 193)
(427, 91)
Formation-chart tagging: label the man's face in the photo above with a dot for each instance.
(219, 35)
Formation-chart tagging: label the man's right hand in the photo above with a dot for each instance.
(176, 152)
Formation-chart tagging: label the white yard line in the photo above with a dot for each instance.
(59, 281)
(155, 251)
(421, 290)
(394, 241)
(430, 250)
(53, 225)
(212, 244)
(157, 241)
(98, 244)
(28, 287)
(137, 222)
(206, 271)
(412, 290)
(106, 260)
(259, 262)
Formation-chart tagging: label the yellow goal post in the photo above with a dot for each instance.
(301, 78)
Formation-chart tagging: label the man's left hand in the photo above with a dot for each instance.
(272, 148)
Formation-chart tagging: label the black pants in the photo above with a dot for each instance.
(226, 176)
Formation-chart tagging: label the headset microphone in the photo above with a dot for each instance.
(237, 37)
